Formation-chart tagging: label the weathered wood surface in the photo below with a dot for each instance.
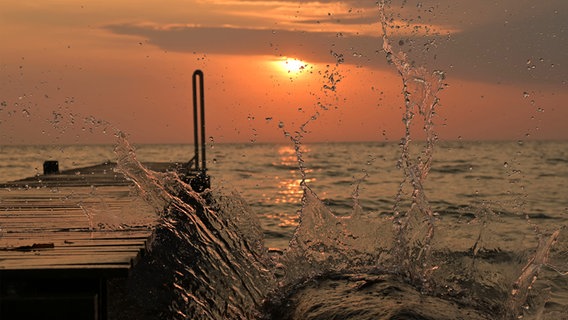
(88, 218)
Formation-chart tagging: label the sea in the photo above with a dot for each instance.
(348, 231)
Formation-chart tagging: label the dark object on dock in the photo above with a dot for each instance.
(50, 167)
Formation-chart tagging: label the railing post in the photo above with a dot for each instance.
(196, 104)
(201, 181)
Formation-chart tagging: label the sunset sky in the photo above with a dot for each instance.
(75, 71)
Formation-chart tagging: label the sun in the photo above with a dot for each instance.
(292, 66)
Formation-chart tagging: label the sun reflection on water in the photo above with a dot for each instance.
(289, 189)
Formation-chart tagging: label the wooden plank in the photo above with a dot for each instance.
(22, 243)
(86, 218)
(77, 236)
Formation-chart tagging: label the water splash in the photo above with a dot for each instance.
(219, 268)
(521, 287)
(414, 218)
(326, 243)
(209, 254)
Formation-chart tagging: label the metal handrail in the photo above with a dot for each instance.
(201, 107)
(199, 180)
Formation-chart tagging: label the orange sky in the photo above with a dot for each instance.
(74, 72)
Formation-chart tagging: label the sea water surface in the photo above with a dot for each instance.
(519, 178)
(497, 208)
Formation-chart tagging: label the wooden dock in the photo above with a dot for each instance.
(64, 235)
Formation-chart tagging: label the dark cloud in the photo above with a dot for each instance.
(320, 47)
(342, 20)
(532, 49)
(521, 48)
(355, 3)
